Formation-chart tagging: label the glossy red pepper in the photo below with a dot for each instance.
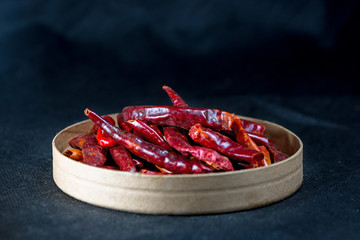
(187, 117)
(259, 139)
(149, 133)
(247, 125)
(245, 138)
(241, 136)
(223, 144)
(95, 128)
(104, 140)
(123, 159)
(175, 98)
(266, 161)
(152, 153)
(253, 127)
(276, 154)
(156, 129)
(123, 124)
(179, 141)
(180, 117)
(240, 127)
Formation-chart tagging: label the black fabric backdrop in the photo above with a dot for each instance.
(293, 63)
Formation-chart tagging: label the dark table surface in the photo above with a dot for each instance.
(54, 64)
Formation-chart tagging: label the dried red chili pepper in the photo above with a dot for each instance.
(244, 138)
(93, 153)
(95, 128)
(176, 139)
(152, 153)
(180, 142)
(223, 144)
(175, 98)
(104, 140)
(247, 125)
(258, 139)
(74, 154)
(253, 127)
(266, 161)
(149, 133)
(123, 159)
(156, 129)
(187, 117)
(276, 154)
(78, 141)
(241, 136)
(180, 117)
(123, 124)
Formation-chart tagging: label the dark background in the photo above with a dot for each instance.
(295, 63)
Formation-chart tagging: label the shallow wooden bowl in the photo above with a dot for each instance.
(180, 194)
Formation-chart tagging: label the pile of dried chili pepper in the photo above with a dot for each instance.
(174, 139)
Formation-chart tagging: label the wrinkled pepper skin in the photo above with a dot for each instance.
(224, 145)
(179, 141)
(259, 139)
(152, 153)
(78, 141)
(149, 133)
(123, 124)
(266, 161)
(93, 154)
(241, 136)
(123, 159)
(276, 154)
(175, 98)
(180, 117)
(95, 128)
(253, 127)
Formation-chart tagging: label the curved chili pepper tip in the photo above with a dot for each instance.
(174, 97)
